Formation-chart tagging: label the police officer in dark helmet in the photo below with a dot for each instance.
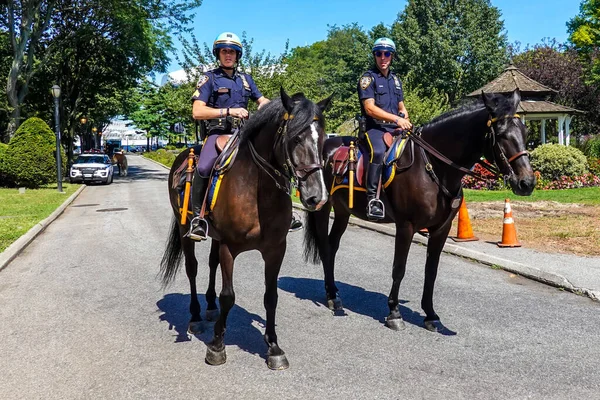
(382, 105)
(222, 92)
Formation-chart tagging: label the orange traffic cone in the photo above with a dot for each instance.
(465, 231)
(509, 233)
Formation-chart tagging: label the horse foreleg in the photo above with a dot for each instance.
(212, 312)
(276, 358)
(340, 223)
(215, 350)
(404, 234)
(435, 244)
(191, 270)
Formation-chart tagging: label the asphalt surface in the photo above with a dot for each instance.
(83, 316)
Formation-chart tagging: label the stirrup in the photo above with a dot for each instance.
(196, 223)
(372, 202)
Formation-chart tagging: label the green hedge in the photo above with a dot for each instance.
(30, 159)
(554, 161)
(4, 181)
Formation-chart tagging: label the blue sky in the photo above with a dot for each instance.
(270, 23)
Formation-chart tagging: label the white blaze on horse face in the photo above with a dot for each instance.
(315, 136)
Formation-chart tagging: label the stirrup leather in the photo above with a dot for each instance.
(196, 223)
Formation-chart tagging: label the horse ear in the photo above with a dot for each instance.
(516, 98)
(489, 101)
(323, 104)
(287, 102)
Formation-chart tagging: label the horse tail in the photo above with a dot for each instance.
(171, 260)
(311, 248)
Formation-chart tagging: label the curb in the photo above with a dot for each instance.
(21, 243)
(533, 273)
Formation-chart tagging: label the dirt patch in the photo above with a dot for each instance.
(544, 225)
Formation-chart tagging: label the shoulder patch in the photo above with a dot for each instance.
(245, 81)
(365, 81)
(397, 82)
(203, 79)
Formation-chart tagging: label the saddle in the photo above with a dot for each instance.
(395, 148)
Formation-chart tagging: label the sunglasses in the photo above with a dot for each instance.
(383, 53)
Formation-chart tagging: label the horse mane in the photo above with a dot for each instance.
(304, 112)
(503, 106)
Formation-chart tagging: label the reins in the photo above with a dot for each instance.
(290, 172)
(416, 137)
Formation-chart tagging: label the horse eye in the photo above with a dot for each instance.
(297, 140)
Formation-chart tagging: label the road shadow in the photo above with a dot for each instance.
(241, 329)
(355, 299)
(138, 173)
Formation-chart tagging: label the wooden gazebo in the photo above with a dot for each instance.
(535, 101)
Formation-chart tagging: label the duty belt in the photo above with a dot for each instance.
(223, 124)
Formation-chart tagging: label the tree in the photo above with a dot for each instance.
(92, 48)
(452, 46)
(584, 34)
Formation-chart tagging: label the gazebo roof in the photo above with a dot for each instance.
(530, 107)
(509, 80)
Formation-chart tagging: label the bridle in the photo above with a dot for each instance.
(496, 149)
(416, 137)
(291, 172)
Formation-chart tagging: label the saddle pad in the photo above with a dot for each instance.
(340, 160)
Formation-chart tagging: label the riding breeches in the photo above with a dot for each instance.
(208, 156)
(373, 145)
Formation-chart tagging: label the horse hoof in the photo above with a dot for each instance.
(278, 362)
(433, 326)
(214, 357)
(195, 327)
(396, 324)
(335, 304)
(212, 315)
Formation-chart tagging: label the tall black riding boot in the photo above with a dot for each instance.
(375, 208)
(198, 226)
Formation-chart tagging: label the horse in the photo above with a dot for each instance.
(426, 194)
(281, 141)
(120, 161)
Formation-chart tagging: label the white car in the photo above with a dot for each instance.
(92, 168)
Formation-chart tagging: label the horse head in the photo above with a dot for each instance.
(304, 135)
(508, 138)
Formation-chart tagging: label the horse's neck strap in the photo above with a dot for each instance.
(493, 120)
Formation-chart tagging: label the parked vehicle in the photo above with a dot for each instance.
(92, 168)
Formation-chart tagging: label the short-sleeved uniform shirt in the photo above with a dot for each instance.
(218, 90)
(387, 92)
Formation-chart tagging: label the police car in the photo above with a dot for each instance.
(92, 168)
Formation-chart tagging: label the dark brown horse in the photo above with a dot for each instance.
(282, 141)
(428, 194)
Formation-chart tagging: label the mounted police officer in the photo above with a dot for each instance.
(382, 105)
(221, 93)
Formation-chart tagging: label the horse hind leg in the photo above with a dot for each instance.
(276, 358)
(340, 224)
(212, 312)
(191, 270)
(215, 350)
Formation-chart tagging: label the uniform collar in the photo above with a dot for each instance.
(222, 72)
(378, 72)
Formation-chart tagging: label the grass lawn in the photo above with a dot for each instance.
(20, 212)
(588, 196)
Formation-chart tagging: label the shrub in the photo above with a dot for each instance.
(162, 156)
(594, 165)
(591, 147)
(554, 161)
(3, 175)
(565, 182)
(30, 159)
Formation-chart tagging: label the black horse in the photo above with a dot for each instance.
(282, 141)
(428, 194)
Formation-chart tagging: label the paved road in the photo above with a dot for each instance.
(83, 316)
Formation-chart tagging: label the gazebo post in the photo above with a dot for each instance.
(561, 132)
(567, 130)
(543, 131)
